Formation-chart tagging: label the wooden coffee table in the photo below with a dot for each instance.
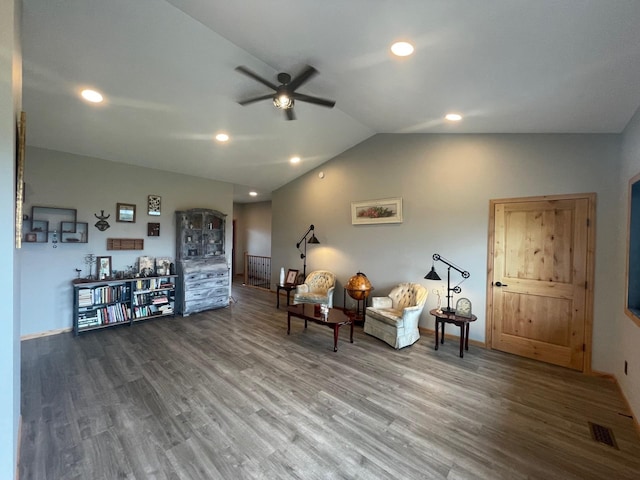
(307, 312)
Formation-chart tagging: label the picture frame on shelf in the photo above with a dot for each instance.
(292, 276)
(146, 265)
(153, 204)
(385, 210)
(125, 212)
(103, 267)
(163, 265)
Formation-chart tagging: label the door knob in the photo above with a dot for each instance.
(500, 284)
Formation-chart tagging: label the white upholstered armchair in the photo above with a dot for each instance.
(317, 288)
(394, 319)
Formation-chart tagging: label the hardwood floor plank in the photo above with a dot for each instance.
(227, 394)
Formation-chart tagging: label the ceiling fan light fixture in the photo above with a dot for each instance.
(285, 93)
(283, 101)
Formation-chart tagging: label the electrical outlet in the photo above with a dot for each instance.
(625, 367)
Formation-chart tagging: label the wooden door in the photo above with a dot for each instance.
(540, 287)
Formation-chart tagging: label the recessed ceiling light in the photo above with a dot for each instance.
(294, 159)
(222, 137)
(253, 194)
(402, 49)
(92, 96)
(453, 117)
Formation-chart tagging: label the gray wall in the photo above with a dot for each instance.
(91, 185)
(626, 341)
(446, 182)
(10, 104)
(253, 231)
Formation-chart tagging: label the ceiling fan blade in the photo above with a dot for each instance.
(255, 76)
(256, 99)
(289, 114)
(305, 75)
(315, 100)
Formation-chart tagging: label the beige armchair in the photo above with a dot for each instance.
(394, 319)
(317, 288)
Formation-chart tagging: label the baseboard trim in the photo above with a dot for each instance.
(19, 446)
(45, 334)
(614, 379)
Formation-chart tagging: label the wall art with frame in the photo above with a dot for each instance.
(386, 210)
(125, 212)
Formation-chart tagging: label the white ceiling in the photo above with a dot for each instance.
(166, 68)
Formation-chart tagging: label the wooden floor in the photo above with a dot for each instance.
(228, 395)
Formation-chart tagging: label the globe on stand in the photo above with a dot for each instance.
(359, 288)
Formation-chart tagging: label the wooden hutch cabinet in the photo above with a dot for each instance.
(203, 273)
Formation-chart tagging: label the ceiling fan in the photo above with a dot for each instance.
(285, 94)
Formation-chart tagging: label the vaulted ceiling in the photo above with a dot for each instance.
(166, 70)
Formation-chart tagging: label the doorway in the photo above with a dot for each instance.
(540, 278)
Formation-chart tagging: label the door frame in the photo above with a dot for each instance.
(590, 267)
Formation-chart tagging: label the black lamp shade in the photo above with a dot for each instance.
(313, 239)
(432, 275)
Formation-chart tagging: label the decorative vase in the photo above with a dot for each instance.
(282, 276)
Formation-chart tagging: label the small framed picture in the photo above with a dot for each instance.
(153, 229)
(126, 212)
(292, 276)
(103, 267)
(153, 204)
(30, 237)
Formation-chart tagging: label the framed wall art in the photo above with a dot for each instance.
(153, 204)
(125, 212)
(386, 210)
(153, 229)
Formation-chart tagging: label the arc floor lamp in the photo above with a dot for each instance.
(303, 254)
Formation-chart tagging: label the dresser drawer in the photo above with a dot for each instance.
(206, 284)
(189, 278)
(204, 293)
(193, 306)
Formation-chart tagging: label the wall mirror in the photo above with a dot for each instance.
(632, 300)
(126, 212)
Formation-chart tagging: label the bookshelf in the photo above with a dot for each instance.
(111, 303)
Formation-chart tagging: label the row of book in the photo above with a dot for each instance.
(151, 310)
(147, 298)
(153, 283)
(100, 295)
(116, 313)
